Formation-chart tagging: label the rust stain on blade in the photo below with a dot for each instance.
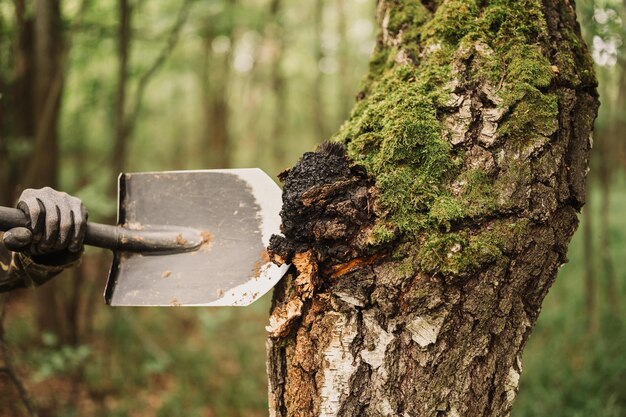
(180, 240)
(264, 258)
(207, 240)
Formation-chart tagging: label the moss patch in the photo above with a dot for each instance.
(462, 253)
(453, 20)
(397, 133)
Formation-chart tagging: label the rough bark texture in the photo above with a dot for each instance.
(423, 245)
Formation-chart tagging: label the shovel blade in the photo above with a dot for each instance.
(235, 210)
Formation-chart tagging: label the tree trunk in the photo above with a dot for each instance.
(422, 255)
(216, 78)
(317, 99)
(590, 277)
(216, 135)
(44, 164)
(278, 83)
(17, 111)
(118, 158)
(346, 93)
(605, 176)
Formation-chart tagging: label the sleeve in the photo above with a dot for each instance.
(19, 271)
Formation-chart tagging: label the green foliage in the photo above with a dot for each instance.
(54, 359)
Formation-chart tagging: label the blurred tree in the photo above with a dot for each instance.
(319, 116)
(43, 167)
(605, 30)
(122, 125)
(345, 91)
(17, 117)
(278, 84)
(421, 270)
(49, 77)
(590, 276)
(215, 77)
(126, 118)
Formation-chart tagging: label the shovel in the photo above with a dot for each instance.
(187, 238)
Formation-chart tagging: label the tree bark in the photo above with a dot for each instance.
(424, 241)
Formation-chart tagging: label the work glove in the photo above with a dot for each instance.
(56, 227)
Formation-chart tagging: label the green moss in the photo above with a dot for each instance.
(396, 130)
(383, 233)
(507, 22)
(397, 136)
(454, 19)
(478, 195)
(408, 207)
(574, 62)
(446, 209)
(457, 253)
(406, 15)
(462, 253)
(526, 64)
(378, 64)
(533, 114)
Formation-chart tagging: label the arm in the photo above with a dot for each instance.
(52, 242)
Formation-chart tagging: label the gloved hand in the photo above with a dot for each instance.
(56, 227)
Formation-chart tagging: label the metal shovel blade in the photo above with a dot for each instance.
(235, 210)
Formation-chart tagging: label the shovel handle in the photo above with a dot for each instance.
(164, 240)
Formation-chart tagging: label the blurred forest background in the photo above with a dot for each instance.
(91, 88)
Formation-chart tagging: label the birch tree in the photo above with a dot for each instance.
(426, 235)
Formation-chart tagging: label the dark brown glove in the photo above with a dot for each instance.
(56, 227)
